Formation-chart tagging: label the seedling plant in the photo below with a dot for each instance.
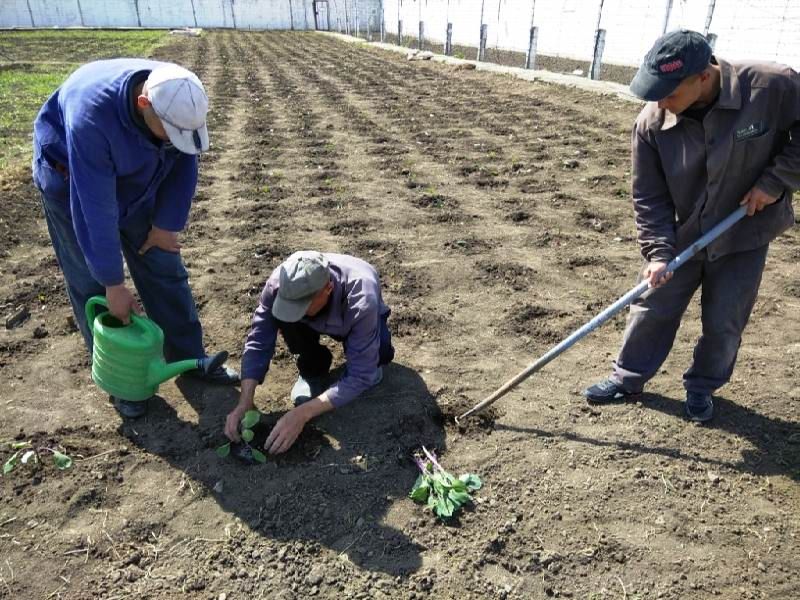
(443, 493)
(25, 453)
(249, 420)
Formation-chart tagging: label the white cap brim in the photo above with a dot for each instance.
(187, 140)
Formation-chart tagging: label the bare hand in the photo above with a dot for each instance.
(161, 238)
(286, 431)
(121, 302)
(757, 200)
(232, 423)
(655, 274)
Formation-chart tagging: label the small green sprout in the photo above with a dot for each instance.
(249, 420)
(26, 454)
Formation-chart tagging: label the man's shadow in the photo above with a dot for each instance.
(333, 487)
(776, 442)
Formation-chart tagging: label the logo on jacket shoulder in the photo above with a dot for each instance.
(751, 131)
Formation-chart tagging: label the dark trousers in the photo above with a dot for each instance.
(314, 359)
(160, 278)
(729, 289)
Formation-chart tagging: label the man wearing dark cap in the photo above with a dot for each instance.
(310, 294)
(714, 135)
(115, 155)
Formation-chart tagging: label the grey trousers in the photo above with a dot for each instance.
(729, 289)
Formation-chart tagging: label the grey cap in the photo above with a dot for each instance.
(302, 275)
(674, 57)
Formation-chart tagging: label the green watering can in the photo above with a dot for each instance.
(128, 360)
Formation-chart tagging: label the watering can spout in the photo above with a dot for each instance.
(161, 371)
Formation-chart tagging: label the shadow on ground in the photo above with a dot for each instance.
(333, 487)
(776, 441)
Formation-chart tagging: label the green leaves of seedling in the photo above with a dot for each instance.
(249, 420)
(62, 461)
(26, 454)
(224, 450)
(439, 490)
(251, 417)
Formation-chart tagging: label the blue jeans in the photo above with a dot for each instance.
(159, 277)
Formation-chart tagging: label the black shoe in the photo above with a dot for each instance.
(129, 408)
(606, 391)
(222, 375)
(698, 407)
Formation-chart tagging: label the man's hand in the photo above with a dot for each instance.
(290, 425)
(757, 200)
(232, 422)
(121, 302)
(245, 404)
(161, 238)
(654, 273)
(286, 431)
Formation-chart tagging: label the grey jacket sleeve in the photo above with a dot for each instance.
(784, 172)
(652, 203)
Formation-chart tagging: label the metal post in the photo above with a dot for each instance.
(709, 16)
(291, 16)
(421, 40)
(30, 12)
(666, 16)
(399, 32)
(712, 40)
(609, 312)
(80, 13)
(482, 47)
(383, 27)
(135, 4)
(530, 59)
(369, 29)
(448, 44)
(597, 56)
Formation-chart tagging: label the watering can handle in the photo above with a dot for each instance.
(91, 311)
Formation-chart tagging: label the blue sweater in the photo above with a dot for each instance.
(115, 169)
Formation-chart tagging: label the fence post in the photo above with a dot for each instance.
(597, 56)
(482, 47)
(666, 17)
(712, 40)
(399, 32)
(448, 43)
(383, 26)
(135, 4)
(421, 40)
(80, 13)
(369, 28)
(291, 16)
(530, 59)
(709, 16)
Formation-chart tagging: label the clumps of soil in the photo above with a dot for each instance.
(420, 320)
(468, 245)
(517, 277)
(349, 227)
(435, 200)
(591, 220)
(534, 186)
(479, 423)
(535, 321)
(519, 216)
(792, 289)
(574, 262)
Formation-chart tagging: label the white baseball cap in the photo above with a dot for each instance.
(180, 102)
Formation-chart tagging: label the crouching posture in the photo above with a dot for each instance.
(311, 294)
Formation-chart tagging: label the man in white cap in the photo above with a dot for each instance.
(115, 153)
(315, 293)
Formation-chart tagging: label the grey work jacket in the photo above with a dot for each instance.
(688, 176)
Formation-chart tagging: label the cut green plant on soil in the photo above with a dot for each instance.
(25, 453)
(442, 492)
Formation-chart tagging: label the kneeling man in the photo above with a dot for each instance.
(310, 294)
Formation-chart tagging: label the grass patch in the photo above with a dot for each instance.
(34, 63)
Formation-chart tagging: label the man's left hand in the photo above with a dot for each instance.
(756, 200)
(161, 238)
(286, 431)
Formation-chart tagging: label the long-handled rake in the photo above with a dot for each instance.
(606, 314)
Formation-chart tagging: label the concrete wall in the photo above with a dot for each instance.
(243, 14)
(751, 29)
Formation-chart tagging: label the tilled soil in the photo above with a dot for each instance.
(497, 213)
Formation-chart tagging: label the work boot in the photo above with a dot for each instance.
(698, 407)
(307, 388)
(130, 409)
(222, 375)
(605, 392)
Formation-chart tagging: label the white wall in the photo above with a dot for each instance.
(243, 14)
(746, 29)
